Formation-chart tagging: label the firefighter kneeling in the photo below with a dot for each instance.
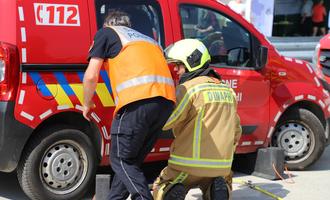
(206, 127)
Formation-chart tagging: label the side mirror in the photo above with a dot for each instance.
(262, 57)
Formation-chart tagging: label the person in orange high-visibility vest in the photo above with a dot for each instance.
(144, 95)
(206, 127)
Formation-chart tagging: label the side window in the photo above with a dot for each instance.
(228, 43)
(145, 16)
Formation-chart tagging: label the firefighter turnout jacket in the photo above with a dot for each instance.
(206, 127)
(140, 70)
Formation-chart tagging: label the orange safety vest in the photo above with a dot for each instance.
(140, 70)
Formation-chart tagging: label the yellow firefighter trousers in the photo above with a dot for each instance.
(169, 176)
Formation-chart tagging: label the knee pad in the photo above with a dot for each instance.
(219, 189)
(177, 192)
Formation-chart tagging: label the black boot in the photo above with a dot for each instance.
(219, 190)
(177, 192)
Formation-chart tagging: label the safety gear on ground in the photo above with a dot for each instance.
(191, 52)
(219, 189)
(134, 78)
(206, 112)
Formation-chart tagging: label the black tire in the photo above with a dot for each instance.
(301, 134)
(59, 163)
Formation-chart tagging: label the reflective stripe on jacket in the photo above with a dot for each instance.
(140, 70)
(206, 128)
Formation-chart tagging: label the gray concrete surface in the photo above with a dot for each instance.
(311, 184)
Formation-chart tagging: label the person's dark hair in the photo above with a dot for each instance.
(117, 18)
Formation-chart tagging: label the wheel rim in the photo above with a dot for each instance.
(296, 139)
(63, 167)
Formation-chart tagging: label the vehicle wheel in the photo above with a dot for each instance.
(301, 134)
(59, 163)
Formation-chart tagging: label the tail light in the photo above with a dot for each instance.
(9, 67)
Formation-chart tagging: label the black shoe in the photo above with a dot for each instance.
(219, 190)
(177, 192)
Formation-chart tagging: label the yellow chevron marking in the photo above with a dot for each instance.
(104, 95)
(78, 90)
(60, 96)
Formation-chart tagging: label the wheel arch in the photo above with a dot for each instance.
(308, 105)
(75, 120)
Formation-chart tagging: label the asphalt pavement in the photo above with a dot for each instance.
(310, 184)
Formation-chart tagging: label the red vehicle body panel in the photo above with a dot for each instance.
(324, 46)
(48, 90)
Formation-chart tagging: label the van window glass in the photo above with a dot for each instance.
(145, 16)
(228, 43)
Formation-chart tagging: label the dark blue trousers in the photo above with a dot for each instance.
(134, 132)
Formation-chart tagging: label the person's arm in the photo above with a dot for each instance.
(91, 78)
(238, 128)
(182, 108)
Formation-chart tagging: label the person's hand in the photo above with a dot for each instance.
(197, 29)
(86, 109)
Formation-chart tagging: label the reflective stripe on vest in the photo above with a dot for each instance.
(128, 35)
(150, 77)
(204, 163)
(198, 134)
(184, 102)
(180, 178)
(144, 80)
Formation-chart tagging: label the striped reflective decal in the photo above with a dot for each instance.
(60, 95)
(62, 91)
(37, 80)
(104, 95)
(105, 77)
(184, 102)
(78, 90)
(204, 163)
(198, 134)
(64, 83)
(144, 80)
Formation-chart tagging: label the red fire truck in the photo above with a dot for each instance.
(283, 102)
